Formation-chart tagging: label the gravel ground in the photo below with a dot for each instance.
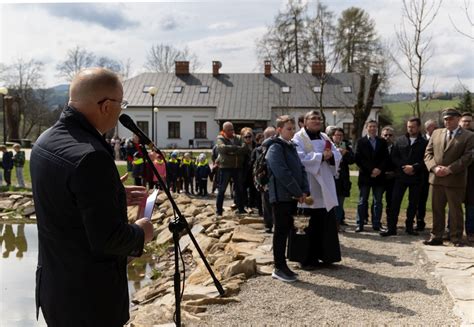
(379, 282)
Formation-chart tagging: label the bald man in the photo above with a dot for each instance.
(81, 207)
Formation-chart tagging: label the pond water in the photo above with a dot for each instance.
(19, 248)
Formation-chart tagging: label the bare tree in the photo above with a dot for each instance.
(161, 58)
(126, 68)
(76, 59)
(323, 39)
(414, 45)
(286, 42)
(468, 13)
(364, 104)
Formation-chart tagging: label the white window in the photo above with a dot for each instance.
(285, 89)
(145, 88)
(177, 89)
(204, 89)
(317, 89)
(347, 89)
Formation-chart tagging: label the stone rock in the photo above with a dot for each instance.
(6, 204)
(242, 249)
(193, 308)
(245, 266)
(182, 200)
(201, 275)
(231, 289)
(150, 292)
(207, 222)
(226, 238)
(192, 211)
(205, 243)
(265, 270)
(250, 220)
(223, 262)
(164, 236)
(262, 259)
(186, 240)
(194, 292)
(157, 216)
(218, 300)
(27, 211)
(245, 234)
(15, 197)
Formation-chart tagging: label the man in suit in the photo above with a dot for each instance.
(371, 157)
(84, 236)
(448, 154)
(407, 156)
(430, 126)
(466, 123)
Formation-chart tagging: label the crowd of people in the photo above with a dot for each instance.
(313, 164)
(12, 160)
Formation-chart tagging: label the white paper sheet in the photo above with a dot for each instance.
(150, 204)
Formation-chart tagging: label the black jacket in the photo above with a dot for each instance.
(343, 182)
(84, 237)
(405, 154)
(367, 159)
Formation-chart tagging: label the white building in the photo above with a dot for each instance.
(189, 109)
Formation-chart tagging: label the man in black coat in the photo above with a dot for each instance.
(371, 158)
(81, 207)
(408, 157)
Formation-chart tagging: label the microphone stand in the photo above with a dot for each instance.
(176, 226)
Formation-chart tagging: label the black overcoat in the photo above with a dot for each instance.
(367, 159)
(84, 237)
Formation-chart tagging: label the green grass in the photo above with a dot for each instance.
(403, 110)
(351, 202)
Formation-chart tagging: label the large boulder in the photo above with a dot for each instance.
(245, 266)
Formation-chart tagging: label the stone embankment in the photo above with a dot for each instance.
(17, 207)
(236, 247)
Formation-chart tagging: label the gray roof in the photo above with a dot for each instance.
(249, 96)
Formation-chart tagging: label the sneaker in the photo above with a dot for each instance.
(280, 274)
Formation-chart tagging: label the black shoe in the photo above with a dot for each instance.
(411, 232)
(433, 242)
(420, 227)
(376, 228)
(308, 267)
(343, 223)
(388, 232)
(359, 229)
(283, 276)
(290, 272)
(458, 244)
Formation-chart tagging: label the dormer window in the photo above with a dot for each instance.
(204, 89)
(177, 89)
(285, 89)
(145, 88)
(317, 89)
(347, 89)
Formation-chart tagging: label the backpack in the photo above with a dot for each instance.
(260, 172)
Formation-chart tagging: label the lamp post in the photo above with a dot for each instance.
(156, 110)
(3, 92)
(334, 114)
(152, 91)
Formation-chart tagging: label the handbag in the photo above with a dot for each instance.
(298, 245)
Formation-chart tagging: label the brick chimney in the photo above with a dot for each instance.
(318, 68)
(216, 65)
(181, 67)
(268, 67)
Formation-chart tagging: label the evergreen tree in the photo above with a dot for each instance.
(466, 103)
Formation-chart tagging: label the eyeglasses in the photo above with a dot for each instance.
(247, 136)
(123, 103)
(386, 135)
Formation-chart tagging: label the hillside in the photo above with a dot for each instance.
(402, 110)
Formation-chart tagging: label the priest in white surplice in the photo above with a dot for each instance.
(321, 161)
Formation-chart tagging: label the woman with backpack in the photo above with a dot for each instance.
(287, 184)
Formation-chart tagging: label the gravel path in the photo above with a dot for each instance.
(379, 282)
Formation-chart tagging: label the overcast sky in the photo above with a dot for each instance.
(215, 30)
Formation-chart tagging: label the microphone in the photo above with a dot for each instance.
(128, 123)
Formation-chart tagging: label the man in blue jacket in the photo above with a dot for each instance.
(81, 207)
(288, 184)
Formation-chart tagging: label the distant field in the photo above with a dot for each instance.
(401, 110)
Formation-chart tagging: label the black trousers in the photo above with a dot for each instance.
(399, 190)
(283, 218)
(7, 175)
(267, 210)
(424, 192)
(324, 239)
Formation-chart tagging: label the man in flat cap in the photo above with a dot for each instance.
(448, 154)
